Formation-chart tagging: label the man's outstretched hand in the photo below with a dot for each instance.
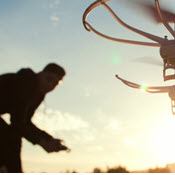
(53, 145)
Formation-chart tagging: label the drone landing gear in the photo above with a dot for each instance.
(168, 67)
(171, 94)
(173, 106)
(161, 89)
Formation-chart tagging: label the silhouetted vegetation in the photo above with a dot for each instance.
(116, 169)
(68, 171)
(97, 170)
(121, 169)
(159, 170)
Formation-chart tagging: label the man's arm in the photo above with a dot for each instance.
(33, 134)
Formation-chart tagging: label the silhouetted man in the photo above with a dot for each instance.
(20, 95)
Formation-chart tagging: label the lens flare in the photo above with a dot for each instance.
(144, 87)
(116, 59)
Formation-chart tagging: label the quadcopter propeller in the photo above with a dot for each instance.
(150, 9)
(149, 60)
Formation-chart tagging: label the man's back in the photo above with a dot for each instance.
(16, 90)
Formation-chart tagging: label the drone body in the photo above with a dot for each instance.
(167, 47)
(167, 52)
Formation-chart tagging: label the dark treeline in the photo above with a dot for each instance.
(116, 169)
(122, 169)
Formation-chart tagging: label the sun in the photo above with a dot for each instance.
(163, 141)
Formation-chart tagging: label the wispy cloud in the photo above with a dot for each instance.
(54, 18)
(110, 123)
(54, 3)
(54, 120)
(78, 131)
(70, 127)
(113, 124)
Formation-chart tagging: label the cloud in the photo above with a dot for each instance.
(54, 18)
(66, 126)
(96, 132)
(54, 120)
(109, 123)
(54, 3)
(113, 124)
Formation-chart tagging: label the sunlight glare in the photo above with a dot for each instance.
(116, 59)
(163, 141)
(144, 87)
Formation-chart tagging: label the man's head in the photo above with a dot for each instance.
(56, 69)
(50, 77)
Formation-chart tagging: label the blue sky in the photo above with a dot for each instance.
(104, 122)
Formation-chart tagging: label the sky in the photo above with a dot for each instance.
(104, 122)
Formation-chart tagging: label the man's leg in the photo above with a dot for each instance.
(10, 148)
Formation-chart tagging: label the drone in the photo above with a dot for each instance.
(167, 47)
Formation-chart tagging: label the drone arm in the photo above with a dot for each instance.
(163, 89)
(163, 19)
(89, 27)
(150, 90)
(147, 35)
(121, 40)
(128, 83)
(89, 9)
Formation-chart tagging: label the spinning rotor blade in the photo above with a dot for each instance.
(150, 8)
(149, 60)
